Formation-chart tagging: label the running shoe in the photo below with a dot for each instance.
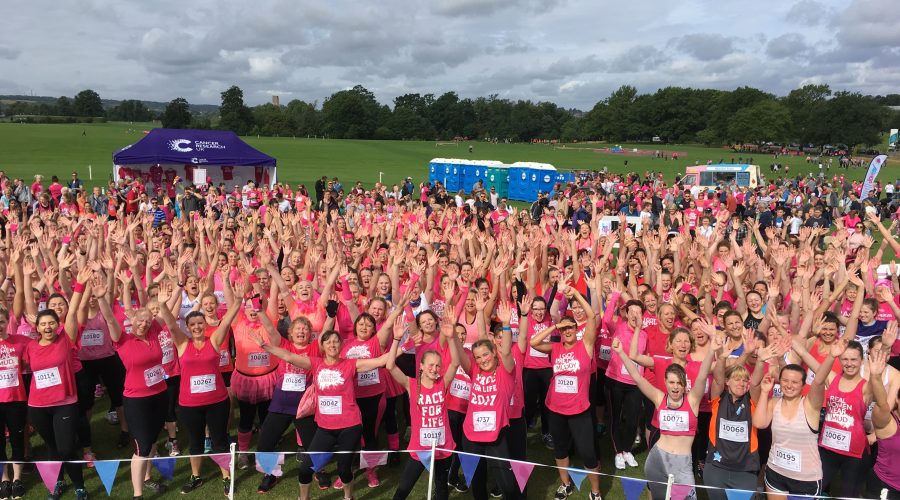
(5, 490)
(112, 417)
(458, 484)
(226, 485)
(629, 459)
(496, 492)
(243, 461)
(372, 477)
(98, 391)
(323, 480)
(81, 494)
(18, 489)
(172, 446)
(564, 491)
(57, 491)
(594, 496)
(268, 481)
(153, 486)
(338, 484)
(193, 483)
(620, 461)
(89, 458)
(548, 441)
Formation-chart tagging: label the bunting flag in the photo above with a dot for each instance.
(165, 466)
(49, 473)
(681, 491)
(633, 487)
(792, 497)
(371, 459)
(739, 494)
(107, 469)
(223, 460)
(269, 462)
(577, 477)
(522, 471)
(319, 460)
(469, 463)
(425, 458)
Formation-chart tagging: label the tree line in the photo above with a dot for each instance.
(811, 114)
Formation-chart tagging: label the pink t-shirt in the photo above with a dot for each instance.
(488, 410)
(568, 392)
(372, 382)
(517, 402)
(460, 388)
(535, 359)
(53, 383)
(428, 421)
(336, 406)
(144, 372)
(95, 341)
(12, 348)
(201, 381)
(616, 369)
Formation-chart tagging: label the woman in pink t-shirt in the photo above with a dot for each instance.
(568, 399)
(429, 419)
(338, 417)
(53, 398)
(487, 418)
(13, 399)
(202, 398)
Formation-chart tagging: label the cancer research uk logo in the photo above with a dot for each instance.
(179, 145)
(329, 378)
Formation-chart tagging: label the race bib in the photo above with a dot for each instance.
(330, 405)
(224, 357)
(566, 384)
(836, 439)
(203, 383)
(484, 421)
(92, 338)
(431, 436)
(624, 371)
(536, 354)
(168, 354)
(47, 377)
(9, 378)
(256, 360)
(461, 389)
(605, 352)
(155, 375)
(294, 382)
(673, 420)
(735, 432)
(776, 391)
(810, 377)
(220, 296)
(368, 378)
(786, 459)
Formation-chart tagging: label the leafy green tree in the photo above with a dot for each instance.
(130, 111)
(802, 103)
(351, 114)
(87, 103)
(233, 114)
(764, 121)
(849, 118)
(177, 114)
(305, 116)
(64, 106)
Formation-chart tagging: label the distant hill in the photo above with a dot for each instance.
(154, 106)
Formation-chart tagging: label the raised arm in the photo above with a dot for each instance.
(300, 361)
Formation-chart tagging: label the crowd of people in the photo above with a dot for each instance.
(745, 337)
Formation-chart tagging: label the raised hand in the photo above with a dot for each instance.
(504, 312)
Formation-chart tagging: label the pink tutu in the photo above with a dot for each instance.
(253, 389)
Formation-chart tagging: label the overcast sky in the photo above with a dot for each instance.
(572, 52)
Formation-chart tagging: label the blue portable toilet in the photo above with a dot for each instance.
(453, 173)
(436, 170)
(526, 179)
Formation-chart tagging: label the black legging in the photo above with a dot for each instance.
(851, 469)
(146, 417)
(368, 409)
(500, 470)
(111, 371)
(249, 412)
(624, 401)
(517, 441)
(57, 426)
(275, 424)
(196, 420)
(537, 382)
(455, 422)
(701, 439)
(390, 414)
(12, 417)
(85, 403)
(413, 470)
(326, 440)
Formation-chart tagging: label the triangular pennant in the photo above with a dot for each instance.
(425, 458)
(319, 460)
(469, 463)
(223, 460)
(267, 461)
(792, 497)
(632, 487)
(165, 466)
(681, 491)
(739, 494)
(522, 471)
(370, 459)
(577, 477)
(107, 469)
(49, 473)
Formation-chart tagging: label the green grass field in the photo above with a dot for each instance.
(27, 149)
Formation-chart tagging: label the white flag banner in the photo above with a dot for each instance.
(874, 168)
